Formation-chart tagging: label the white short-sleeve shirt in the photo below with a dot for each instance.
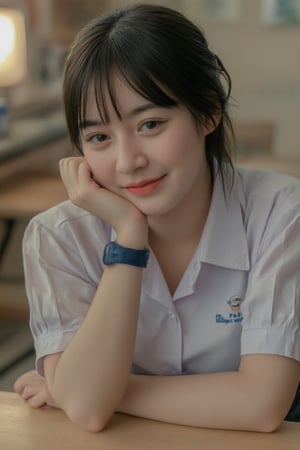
(240, 293)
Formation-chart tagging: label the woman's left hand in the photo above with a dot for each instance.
(33, 388)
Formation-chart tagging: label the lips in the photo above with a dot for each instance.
(145, 187)
(142, 183)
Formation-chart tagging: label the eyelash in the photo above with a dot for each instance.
(156, 122)
(94, 137)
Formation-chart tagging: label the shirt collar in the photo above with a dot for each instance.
(224, 240)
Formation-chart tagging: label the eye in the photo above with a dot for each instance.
(150, 125)
(97, 138)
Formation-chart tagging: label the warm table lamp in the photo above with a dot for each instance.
(13, 60)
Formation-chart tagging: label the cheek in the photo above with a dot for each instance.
(182, 145)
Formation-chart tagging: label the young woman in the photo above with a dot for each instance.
(168, 286)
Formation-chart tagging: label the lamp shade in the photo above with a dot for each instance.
(13, 60)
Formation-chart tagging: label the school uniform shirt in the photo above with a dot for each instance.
(240, 293)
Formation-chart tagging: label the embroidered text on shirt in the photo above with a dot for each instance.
(235, 316)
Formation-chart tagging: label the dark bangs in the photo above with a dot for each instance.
(120, 54)
(164, 57)
(114, 61)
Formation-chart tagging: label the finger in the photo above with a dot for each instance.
(30, 390)
(67, 165)
(69, 168)
(81, 185)
(24, 380)
(38, 400)
(18, 386)
(63, 168)
(84, 172)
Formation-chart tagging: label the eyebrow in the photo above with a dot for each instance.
(134, 112)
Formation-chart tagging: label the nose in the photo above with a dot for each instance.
(130, 156)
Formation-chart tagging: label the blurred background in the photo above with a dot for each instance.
(259, 43)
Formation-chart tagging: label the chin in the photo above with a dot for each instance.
(157, 209)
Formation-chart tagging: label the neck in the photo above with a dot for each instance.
(186, 222)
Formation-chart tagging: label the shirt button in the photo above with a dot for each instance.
(172, 316)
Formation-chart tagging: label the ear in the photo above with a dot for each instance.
(209, 125)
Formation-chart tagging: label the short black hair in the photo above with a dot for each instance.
(164, 57)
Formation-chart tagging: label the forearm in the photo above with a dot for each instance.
(92, 373)
(255, 398)
(210, 401)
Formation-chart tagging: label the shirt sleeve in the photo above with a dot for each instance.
(58, 288)
(271, 308)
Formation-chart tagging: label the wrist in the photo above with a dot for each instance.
(115, 253)
(133, 237)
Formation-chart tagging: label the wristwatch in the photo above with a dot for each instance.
(115, 253)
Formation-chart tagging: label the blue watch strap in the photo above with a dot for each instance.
(115, 253)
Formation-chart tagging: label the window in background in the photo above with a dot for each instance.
(281, 12)
(223, 11)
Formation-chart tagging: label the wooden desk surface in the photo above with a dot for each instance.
(22, 428)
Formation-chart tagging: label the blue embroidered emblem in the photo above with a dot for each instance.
(235, 316)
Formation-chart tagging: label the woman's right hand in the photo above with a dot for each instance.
(126, 219)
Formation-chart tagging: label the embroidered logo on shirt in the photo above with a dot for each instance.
(235, 316)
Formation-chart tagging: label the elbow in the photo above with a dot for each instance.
(270, 425)
(86, 413)
(267, 423)
(93, 422)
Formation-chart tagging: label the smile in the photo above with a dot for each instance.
(145, 187)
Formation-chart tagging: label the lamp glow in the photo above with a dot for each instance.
(7, 38)
(13, 64)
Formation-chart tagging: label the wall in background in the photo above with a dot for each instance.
(265, 68)
(263, 61)
(264, 64)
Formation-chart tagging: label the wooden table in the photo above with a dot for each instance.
(22, 428)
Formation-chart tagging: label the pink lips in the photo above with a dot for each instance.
(145, 187)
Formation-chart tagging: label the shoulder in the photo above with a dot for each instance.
(268, 191)
(65, 215)
(61, 213)
(269, 185)
(69, 225)
(270, 203)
